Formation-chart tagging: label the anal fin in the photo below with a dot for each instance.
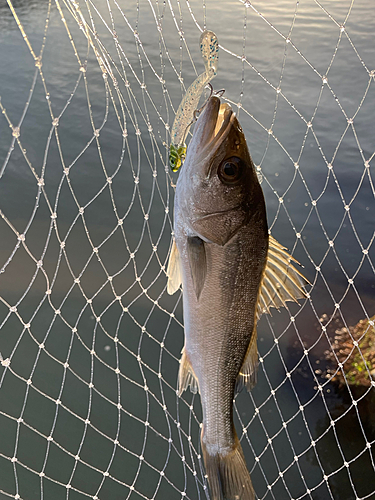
(186, 375)
(249, 371)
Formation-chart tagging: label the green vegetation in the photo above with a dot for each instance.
(354, 348)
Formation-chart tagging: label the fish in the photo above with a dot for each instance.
(184, 117)
(231, 271)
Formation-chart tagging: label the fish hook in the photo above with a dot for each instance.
(219, 93)
(197, 112)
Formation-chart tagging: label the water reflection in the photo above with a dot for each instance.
(22, 8)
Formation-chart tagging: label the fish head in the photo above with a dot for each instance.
(218, 189)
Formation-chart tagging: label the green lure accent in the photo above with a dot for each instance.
(176, 156)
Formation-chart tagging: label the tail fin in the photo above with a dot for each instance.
(228, 476)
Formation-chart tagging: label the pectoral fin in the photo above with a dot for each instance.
(186, 375)
(174, 270)
(281, 280)
(249, 370)
(198, 264)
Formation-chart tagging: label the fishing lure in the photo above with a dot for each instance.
(186, 111)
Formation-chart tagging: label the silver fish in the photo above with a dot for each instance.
(231, 272)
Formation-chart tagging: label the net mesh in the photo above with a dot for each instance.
(89, 339)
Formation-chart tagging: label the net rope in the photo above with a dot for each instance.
(89, 339)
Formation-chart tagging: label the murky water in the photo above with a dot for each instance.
(308, 201)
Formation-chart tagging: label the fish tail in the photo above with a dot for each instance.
(227, 474)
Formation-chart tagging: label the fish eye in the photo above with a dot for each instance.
(230, 170)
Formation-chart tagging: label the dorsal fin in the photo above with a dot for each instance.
(174, 270)
(281, 280)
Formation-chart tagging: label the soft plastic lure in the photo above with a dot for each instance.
(186, 111)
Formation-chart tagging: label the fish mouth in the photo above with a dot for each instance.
(213, 125)
(223, 119)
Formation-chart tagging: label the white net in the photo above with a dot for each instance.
(89, 339)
